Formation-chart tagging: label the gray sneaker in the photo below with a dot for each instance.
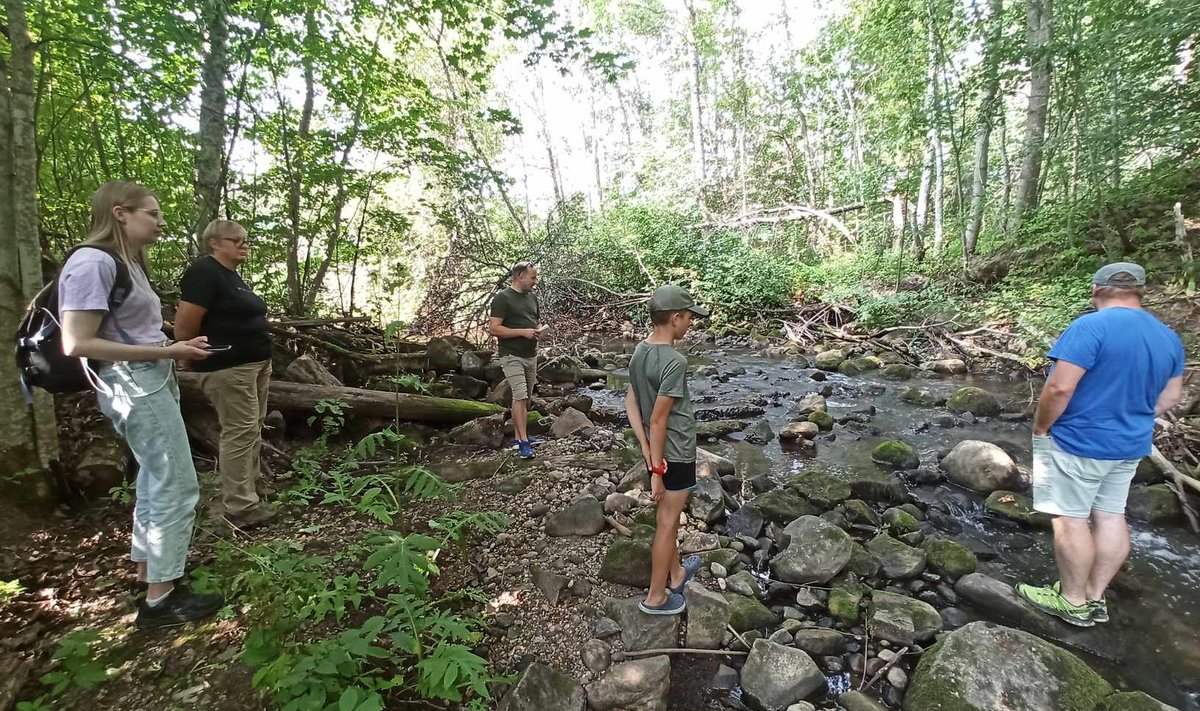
(673, 605)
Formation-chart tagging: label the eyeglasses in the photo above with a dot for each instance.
(238, 241)
(155, 214)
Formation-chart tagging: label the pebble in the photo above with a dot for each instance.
(802, 706)
(897, 678)
(886, 655)
(719, 571)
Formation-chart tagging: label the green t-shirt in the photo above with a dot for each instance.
(661, 370)
(518, 310)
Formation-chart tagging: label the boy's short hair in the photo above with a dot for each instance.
(662, 318)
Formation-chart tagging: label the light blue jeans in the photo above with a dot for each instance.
(143, 404)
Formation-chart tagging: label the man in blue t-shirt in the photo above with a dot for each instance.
(1114, 371)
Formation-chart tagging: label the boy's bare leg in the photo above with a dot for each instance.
(664, 554)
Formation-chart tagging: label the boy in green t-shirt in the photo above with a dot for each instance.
(660, 413)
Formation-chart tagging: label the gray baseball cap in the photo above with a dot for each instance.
(674, 298)
(1126, 274)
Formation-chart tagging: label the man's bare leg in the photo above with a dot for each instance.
(1075, 552)
(520, 415)
(664, 554)
(1110, 536)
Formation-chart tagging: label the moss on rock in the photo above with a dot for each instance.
(821, 419)
(1018, 507)
(975, 401)
(844, 600)
(897, 454)
(824, 490)
(627, 563)
(1129, 701)
(747, 613)
(948, 557)
(783, 506)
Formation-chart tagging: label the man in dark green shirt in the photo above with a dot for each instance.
(660, 414)
(516, 324)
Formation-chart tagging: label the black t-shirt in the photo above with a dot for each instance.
(236, 316)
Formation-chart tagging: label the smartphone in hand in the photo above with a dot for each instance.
(218, 349)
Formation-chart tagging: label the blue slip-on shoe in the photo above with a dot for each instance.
(691, 565)
(673, 605)
(525, 449)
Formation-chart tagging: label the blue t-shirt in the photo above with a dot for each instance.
(1129, 356)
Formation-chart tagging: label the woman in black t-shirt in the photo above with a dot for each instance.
(215, 302)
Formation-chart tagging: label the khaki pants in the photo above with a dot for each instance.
(239, 395)
(521, 374)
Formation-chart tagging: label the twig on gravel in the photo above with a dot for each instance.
(879, 674)
(618, 527)
(738, 635)
(653, 652)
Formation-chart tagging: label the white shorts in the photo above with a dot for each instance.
(1065, 484)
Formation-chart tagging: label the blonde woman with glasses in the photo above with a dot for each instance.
(132, 363)
(217, 304)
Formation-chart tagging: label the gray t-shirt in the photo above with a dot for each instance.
(84, 284)
(661, 370)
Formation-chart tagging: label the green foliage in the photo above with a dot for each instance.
(9, 590)
(79, 663)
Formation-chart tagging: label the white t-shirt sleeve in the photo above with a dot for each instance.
(86, 281)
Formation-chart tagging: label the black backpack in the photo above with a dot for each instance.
(41, 362)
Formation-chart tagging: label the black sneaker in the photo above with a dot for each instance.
(180, 607)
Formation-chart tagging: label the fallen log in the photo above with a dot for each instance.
(300, 397)
(1180, 483)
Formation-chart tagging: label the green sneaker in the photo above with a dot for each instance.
(1049, 601)
(1099, 607)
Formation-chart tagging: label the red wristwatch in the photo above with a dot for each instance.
(659, 470)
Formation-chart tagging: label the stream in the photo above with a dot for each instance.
(1151, 644)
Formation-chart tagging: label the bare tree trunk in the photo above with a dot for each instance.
(699, 168)
(28, 434)
(211, 141)
(294, 158)
(983, 123)
(922, 216)
(1038, 21)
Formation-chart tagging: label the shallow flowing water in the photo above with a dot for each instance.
(1152, 643)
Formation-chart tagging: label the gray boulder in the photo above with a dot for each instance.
(816, 551)
(978, 402)
(627, 562)
(920, 396)
(443, 356)
(809, 404)
(896, 559)
(561, 369)
(946, 366)
(981, 466)
(596, 655)
(902, 620)
(639, 685)
(746, 521)
(819, 642)
(582, 517)
(707, 502)
(708, 614)
(550, 583)
(1154, 504)
(760, 432)
(540, 687)
(986, 667)
(830, 359)
(570, 422)
(775, 676)
(481, 432)
(858, 701)
(641, 631)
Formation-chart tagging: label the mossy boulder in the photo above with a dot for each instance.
(845, 599)
(816, 551)
(857, 511)
(922, 397)
(862, 563)
(896, 454)
(900, 522)
(824, 490)
(830, 359)
(783, 506)
(898, 371)
(747, 613)
(823, 420)
(974, 400)
(948, 558)
(1153, 504)
(857, 366)
(726, 557)
(973, 667)
(627, 562)
(1017, 507)
(901, 619)
(896, 559)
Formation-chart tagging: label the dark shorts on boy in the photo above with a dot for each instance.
(680, 476)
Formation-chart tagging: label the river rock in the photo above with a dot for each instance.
(1132, 701)
(746, 521)
(639, 685)
(783, 506)
(897, 560)
(724, 679)
(734, 411)
(443, 356)
(830, 359)
(760, 432)
(550, 583)
(636, 477)
(713, 466)
(641, 631)
(747, 613)
(570, 422)
(1148, 472)
(810, 403)
(1000, 601)
(857, 511)
(1153, 504)
(627, 562)
(858, 701)
(819, 642)
(793, 431)
(901, 620)
(540, 687)
(743, 583)
(857, 366)
(816, 551)
(561, 369)
(472, 364)
(583, 517)
(776, 676)
(720, 428)
(596, 655)
(920, 396)
(948, 558)
(698, 543)
(823, 490)
(619, 503)
(708, 614)
(1017, 507)
(978, 402)
(987, 667)
(898, 371)
(981, 466)
(900, 522)
(946, 366)
(485, 432)
(845, 598)
(896, 454)
(862, 563)
(707, 502)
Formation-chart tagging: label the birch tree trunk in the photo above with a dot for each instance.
(28, 434)
(1038, 20)
(210, 158)
(699, 168)
(983, 124)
